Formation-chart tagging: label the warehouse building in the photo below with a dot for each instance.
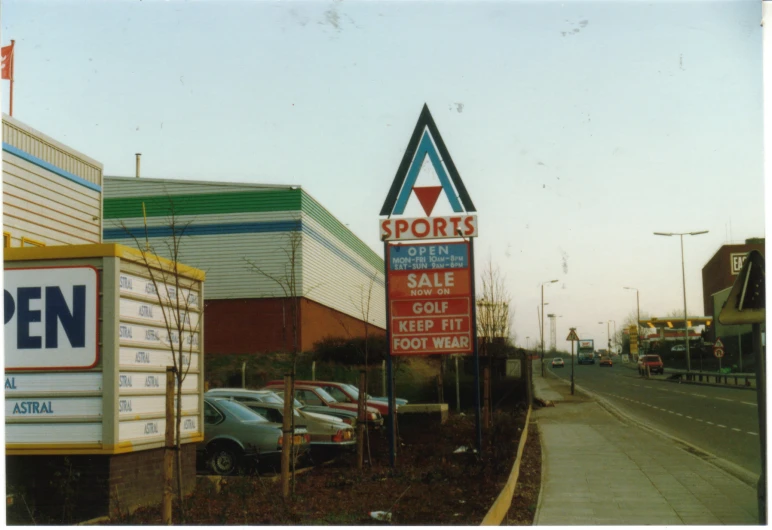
(304, 253)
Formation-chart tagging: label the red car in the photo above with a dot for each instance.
(345, 394)
(317, 396)
(654, 364)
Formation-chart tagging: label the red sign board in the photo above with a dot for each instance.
(430, 299)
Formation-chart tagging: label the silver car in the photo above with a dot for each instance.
(235, 437)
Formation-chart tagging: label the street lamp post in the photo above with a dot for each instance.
(683, 276)
(542, 324)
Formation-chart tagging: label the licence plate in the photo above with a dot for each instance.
(298, 439)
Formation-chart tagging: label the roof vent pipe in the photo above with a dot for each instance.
(138, 155)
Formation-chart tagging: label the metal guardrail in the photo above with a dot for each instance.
(738, 379)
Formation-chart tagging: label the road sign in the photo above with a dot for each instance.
(718, 343)
(572, 336)
(634, 340)
(419, 228)
(430, 299)
(718, 352)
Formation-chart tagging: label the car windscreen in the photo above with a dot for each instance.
(354, 391)
(240, 412)
(325, 395)
(271, 398)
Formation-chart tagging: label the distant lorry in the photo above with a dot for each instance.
(586, 352)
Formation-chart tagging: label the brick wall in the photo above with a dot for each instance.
(260, 325)
(136, 479)
(73, 489)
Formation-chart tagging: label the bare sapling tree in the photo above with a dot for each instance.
(287, 281)
(363, 307)
(177, 290)
(494, 320)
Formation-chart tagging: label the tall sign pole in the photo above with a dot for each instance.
(573, 337)
(430, 295)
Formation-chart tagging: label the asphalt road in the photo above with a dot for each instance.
(722, 421)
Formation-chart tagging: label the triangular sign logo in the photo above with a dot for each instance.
(572, 336)
(426, 141)
(718, 344)
(427, 196)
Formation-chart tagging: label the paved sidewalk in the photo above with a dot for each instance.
(598, 470)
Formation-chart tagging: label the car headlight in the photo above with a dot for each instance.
(373, 416)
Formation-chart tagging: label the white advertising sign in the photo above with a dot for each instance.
(156, 358)
(155, 381)
(150, 430)
(51, 318)
(134, 405)
(737, 259)
(45, 433)
(408, 229)
(52, 383)
(153, 314)
(155, 336)
(83, 408)
(145, 288)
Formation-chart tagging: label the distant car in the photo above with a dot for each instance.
(653, 362)
(678, 347)
(235, 437)
(318, 397)
(344, 393)
(605, 361)
(385, 399)
(558, 362)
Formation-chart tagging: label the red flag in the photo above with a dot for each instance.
(7, 68)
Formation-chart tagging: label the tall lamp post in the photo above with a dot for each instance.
(683, 276)
(542, 324)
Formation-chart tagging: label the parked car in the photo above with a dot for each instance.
(653, 362)
(605, 361)
(385, 399)
(345, 393)
(277, 396)
(678, 347)
(235, 437)
(557, 362)
(318, 397)
(325, 431)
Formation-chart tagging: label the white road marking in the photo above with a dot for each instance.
(735, 429)
(710, 423)
(646, 386)
(753, 433)
(724, 399)
(639, 386)
(698, 419)
(749, 403)
(679, 414)
(723, 426)
(698, 395)
(671, 412)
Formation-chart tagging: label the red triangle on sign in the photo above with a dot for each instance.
(427, 196)
(718, 344)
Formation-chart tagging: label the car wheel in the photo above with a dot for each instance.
(224, 459)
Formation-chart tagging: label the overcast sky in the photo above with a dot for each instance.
(579, 128)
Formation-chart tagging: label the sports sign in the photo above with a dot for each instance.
(51, 318)
(399, 229)
(430, 299)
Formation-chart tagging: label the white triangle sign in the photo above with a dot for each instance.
(718, 344)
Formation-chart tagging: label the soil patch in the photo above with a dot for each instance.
(430, 484)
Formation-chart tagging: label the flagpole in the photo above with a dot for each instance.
(10, 104)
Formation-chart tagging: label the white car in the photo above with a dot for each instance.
(558, 362)
(678, 347)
